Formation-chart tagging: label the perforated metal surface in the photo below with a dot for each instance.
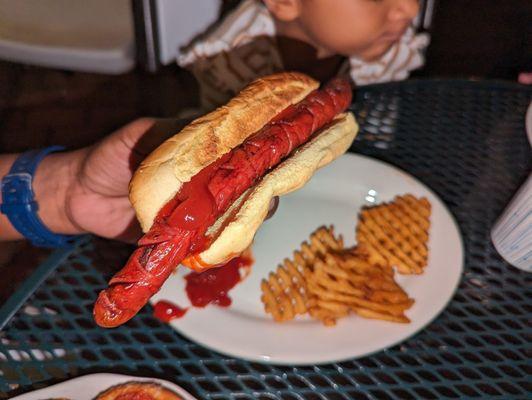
(464, 140)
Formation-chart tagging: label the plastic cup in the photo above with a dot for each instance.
(512, 233)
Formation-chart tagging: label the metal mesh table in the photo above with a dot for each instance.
(466, 141)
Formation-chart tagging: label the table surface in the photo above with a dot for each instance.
(466, 141)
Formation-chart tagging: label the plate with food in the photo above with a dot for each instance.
(361, 257)
(349, 302)
(110, 387)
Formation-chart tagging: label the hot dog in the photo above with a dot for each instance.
(226, 181)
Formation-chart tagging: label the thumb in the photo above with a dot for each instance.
(150, 135)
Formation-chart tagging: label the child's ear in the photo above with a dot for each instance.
(284, 10)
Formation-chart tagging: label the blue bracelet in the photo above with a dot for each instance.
(19, 205)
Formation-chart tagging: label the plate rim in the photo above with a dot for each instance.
(132, 378)
(322, 360)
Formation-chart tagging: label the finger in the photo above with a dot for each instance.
(274, 203)
(161, 130)
(525, 78)
(143, 142)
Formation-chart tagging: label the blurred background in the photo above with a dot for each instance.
(72, 71)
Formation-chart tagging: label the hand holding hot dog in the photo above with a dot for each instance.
(97, 200)
(202, 194)
(86, 190)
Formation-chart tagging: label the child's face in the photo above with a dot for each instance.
(363, 28)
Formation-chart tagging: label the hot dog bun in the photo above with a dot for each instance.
(177, 160)
(234, 231)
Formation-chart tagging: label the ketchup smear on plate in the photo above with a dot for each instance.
(208, 287)
(166, 311)
(213, 286)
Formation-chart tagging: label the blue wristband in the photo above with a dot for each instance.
(19, 205)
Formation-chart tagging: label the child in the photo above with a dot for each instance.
(368, 40)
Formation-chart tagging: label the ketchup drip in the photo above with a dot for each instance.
(179, 228)
(166, 311)
(208, 287)
(213, 285)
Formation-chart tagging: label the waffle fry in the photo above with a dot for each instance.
(346, 281)
(329, 282)
(284, 293)
(396, 233)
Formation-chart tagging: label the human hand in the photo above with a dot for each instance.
(97, 201)
(93, 194)
(87, 190)
(525, 78)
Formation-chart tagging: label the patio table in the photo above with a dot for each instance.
(466, 140)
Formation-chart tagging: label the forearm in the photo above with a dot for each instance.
(51, 182)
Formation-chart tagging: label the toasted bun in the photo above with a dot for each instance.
(234, 231)
(177, 160)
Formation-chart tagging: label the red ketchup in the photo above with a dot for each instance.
(166, 311)
(213, 285)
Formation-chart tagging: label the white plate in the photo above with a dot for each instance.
(89, 386)
(333, 196)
